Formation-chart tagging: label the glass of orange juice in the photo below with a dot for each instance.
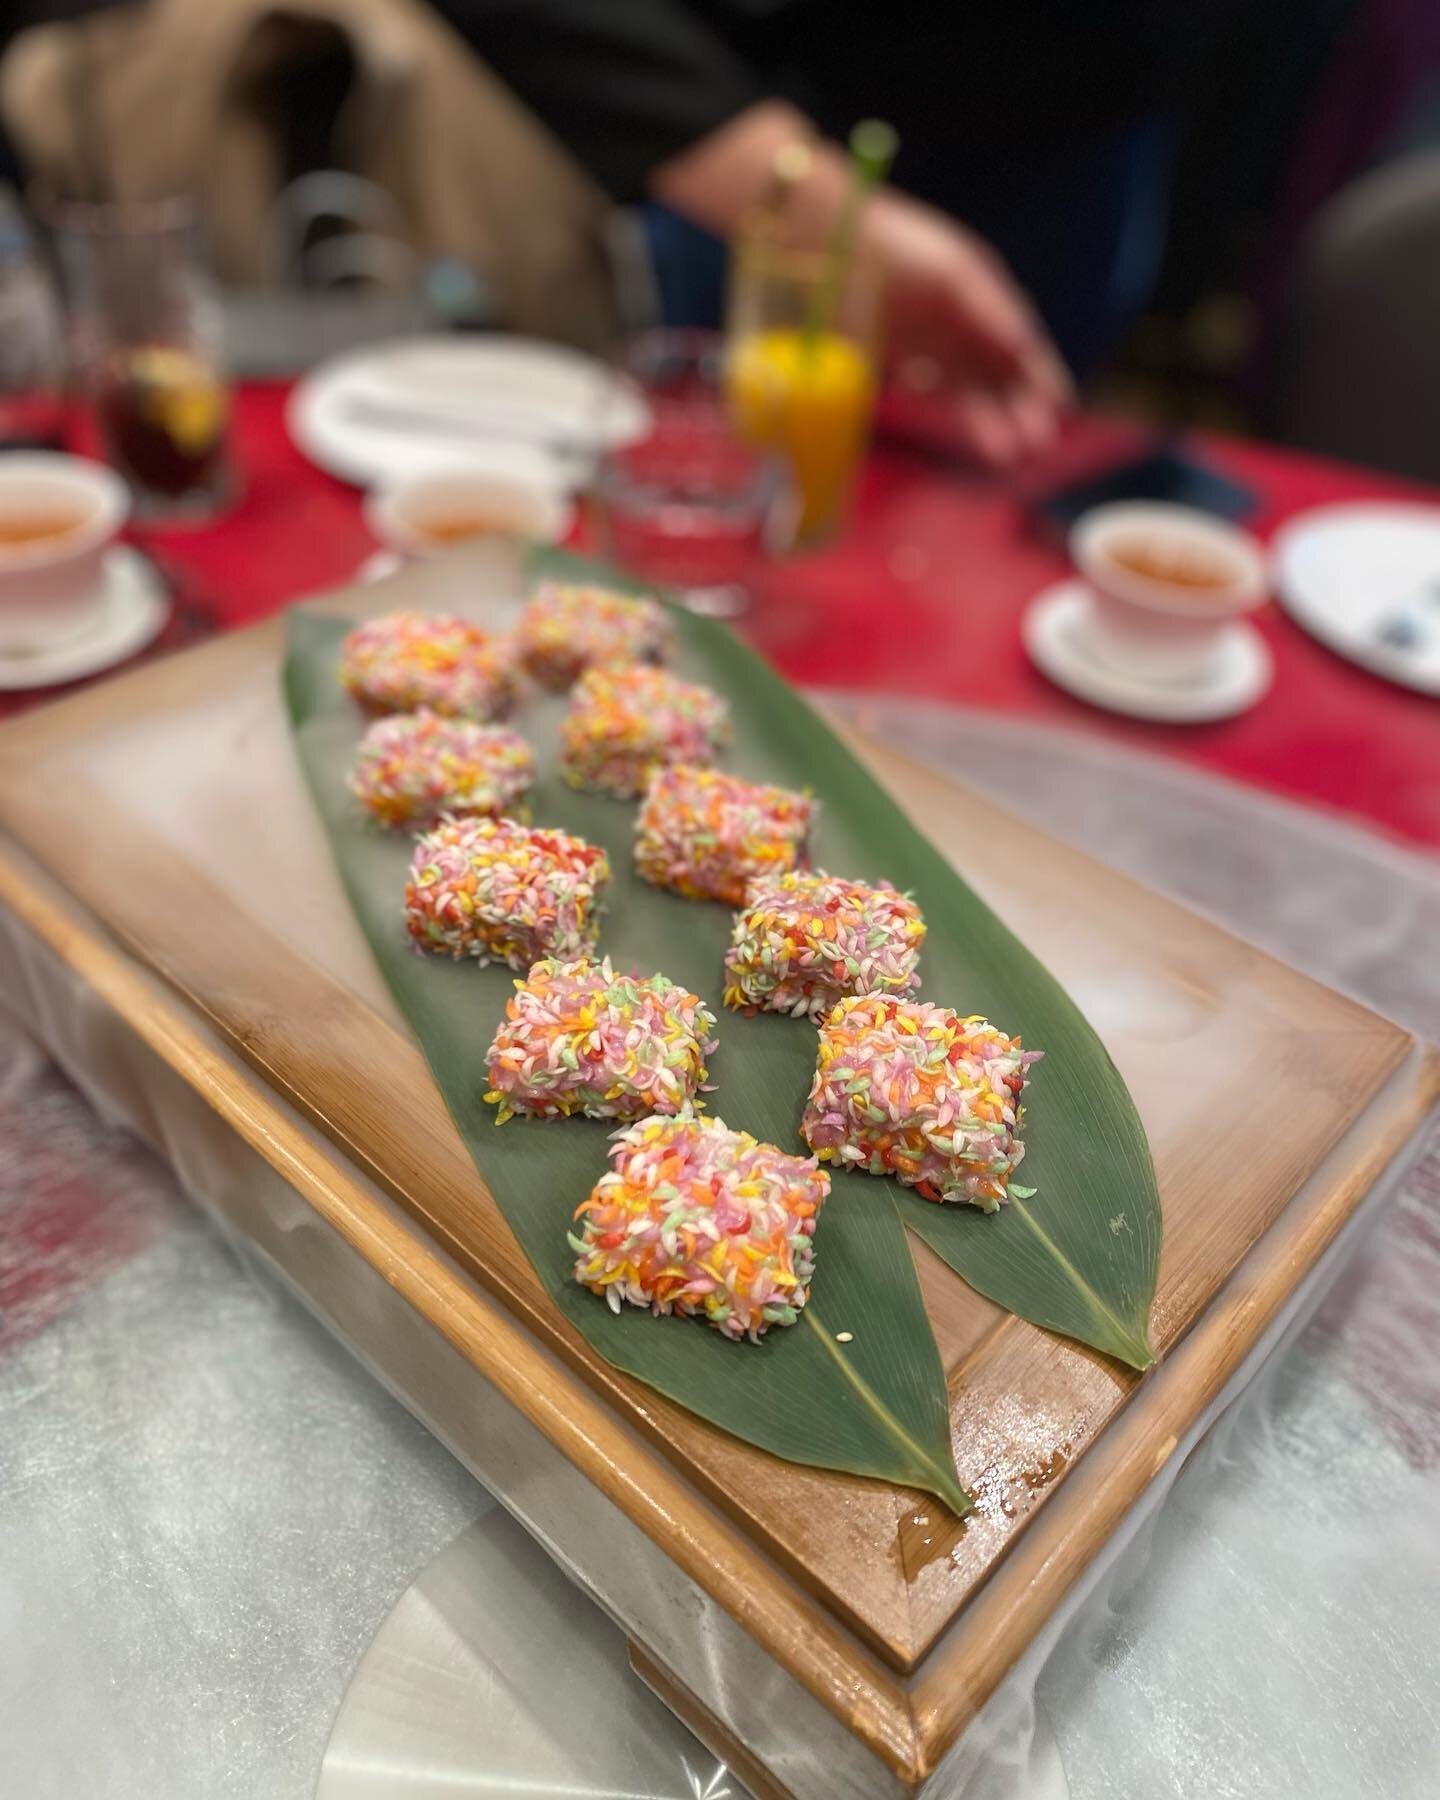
(807, 391)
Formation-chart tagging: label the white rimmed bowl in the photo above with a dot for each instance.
(52, 589)
(1145, 626)
(521, 505)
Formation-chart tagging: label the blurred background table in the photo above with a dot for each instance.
(923, 595)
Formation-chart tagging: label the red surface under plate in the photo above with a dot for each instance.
(924, 596)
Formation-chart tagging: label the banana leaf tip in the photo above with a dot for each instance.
(1136, 1352)
(946, 1488)
(955, 1497)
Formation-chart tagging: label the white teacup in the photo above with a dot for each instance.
(425, 515)
(1165, 582)
(58, 517)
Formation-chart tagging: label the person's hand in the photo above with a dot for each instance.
(971, 361)
(974, 368)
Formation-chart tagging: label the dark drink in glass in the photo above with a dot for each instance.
(163, 416)
(146, 325)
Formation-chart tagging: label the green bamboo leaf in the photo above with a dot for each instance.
(1081, 1256)
(872, 1404)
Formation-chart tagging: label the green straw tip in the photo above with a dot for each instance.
(874, 144)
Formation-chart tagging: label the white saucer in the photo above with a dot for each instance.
(1052, 630)
(134, 608)
(412, 405)
(1342, 571)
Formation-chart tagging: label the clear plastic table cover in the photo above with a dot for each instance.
(207, 1509)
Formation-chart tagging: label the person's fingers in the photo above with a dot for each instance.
(920, 372)
(993, 317)
(964, 336)
(1036, 387)
(1046, 371)
(955, 309)
(1035, 418)
(994, 426)
(986, 306)
(984, 427)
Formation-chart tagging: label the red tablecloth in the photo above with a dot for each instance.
(924, 596)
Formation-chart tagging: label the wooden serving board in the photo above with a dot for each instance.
(168, 805)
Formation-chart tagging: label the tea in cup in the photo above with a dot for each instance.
(58, 517)
(425, 515)
(1165, 582)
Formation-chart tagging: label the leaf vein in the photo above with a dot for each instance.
(1083, 1287)
(949, 1488)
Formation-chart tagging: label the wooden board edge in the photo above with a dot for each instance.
(28, 735)
(1042, 1564)
(789, 1625)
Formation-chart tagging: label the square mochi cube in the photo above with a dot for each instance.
(408, 660)
(500, 891)
(914, 1091)
(578, 1038)
(805, 940)
(623, 724)
(708, 835)
(698, 1219)
(414, 769)
(566, 629)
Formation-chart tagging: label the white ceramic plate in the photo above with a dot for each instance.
(1054, 635)
(134, 608)
(390, 411)
(1343, 571)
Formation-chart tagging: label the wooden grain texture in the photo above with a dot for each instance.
(1202, 1026)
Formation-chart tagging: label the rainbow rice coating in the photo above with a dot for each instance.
(413, 768)
(805, 940)
(408, 660)
(500, 891)
(697, 1219)
(708, 835)
(914, 1091)
(567, 629)
(578, 1038)
(624, 723)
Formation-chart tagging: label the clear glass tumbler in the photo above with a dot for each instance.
(801, 370)
(686, 501)
(147, 345)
